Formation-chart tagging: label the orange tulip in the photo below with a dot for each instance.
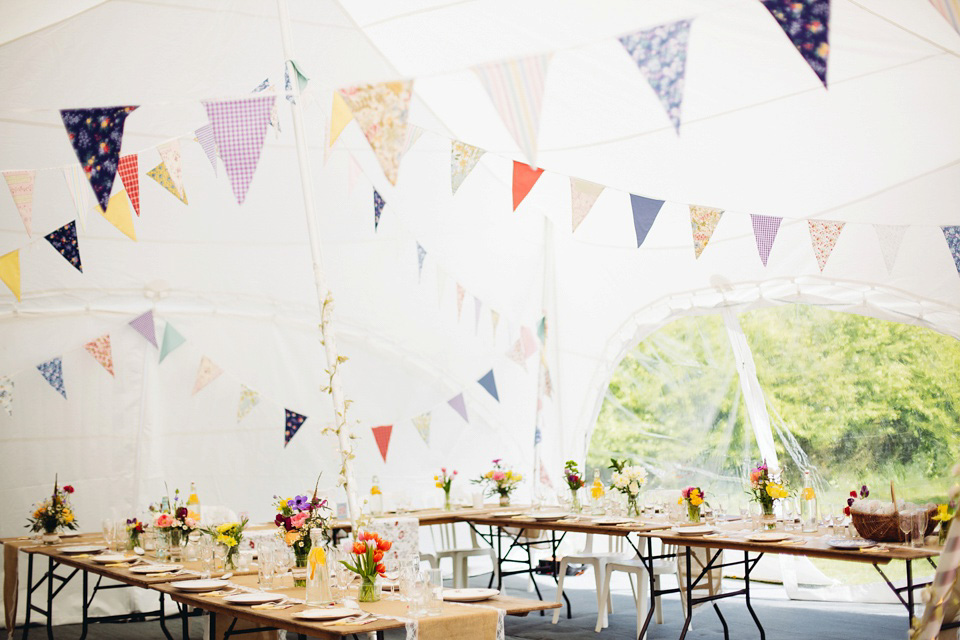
(359, 548)
(377, 556)
(384, 545)
(368, 535)
(381, 569)
(290, 537)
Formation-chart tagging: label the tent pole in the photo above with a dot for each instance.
(324, 297)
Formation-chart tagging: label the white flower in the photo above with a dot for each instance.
(634, 487)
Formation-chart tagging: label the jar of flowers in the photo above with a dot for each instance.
(367, 562)
(499, 482)
(445, 481)
(296, 518)
(628, 481)
(944, 515)
(571, 475)
(694, 497)
(53, 514)
(134, 531)
(765, 489)
(228, 534)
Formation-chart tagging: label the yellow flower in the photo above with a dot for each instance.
(695, 499)
(808, 493)
(439, 485)
(776, 491)
(518, 477)
(679, 500)
(226, 526)
(509, 474)
(227, 540)
(488, 475)
(943, 515)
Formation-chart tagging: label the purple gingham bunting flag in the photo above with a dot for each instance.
(238, 128)
(458, 405)
(144, 326)
(208, 143)
(765, 230)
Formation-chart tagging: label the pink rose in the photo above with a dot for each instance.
(499, 475)
(190, 522)
(298, 520)
(164, 520)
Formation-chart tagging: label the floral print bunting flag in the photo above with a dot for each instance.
(101, 352)
(824, 235)
(248, 400)
(463, 158)
(703, 221)
(292, 424)
(52, 372)
(381, 111)
(64, 240)
(952, 235)
(96, 135)
(806, 23)
(6, 394)
(207, 373)
(20, 184)
(661, 55)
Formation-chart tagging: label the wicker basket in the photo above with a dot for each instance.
(885, 528)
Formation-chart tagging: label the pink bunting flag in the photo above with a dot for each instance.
(129, 176)
(458, 405)
(824, 235)
(516, 354)
(170, 154)
(101, 351)
(145, 327)
(382, 435)
(20, 184)
(206, 373)
(239, 127)
(460, 293)
(765, 232)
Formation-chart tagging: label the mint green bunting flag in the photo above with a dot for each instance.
(171, 340)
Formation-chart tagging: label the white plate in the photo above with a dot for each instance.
(258, 597)
(769, 536)
(107, 558)
(199, 585)
(155, 568)
(697, 530)
(83, 548)
(850, 543)
(611, 521)
(325, 614)
(557, 515)
(73, 534)
(469, 595)
(507, 514)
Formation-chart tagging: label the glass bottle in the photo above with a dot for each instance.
(808, 505)
(193, 503)
(318, 574)
(597, 492)
(376, 497)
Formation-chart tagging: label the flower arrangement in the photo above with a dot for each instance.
(54, 513)
(766, 487)
(944, 515)
(500, 481)
(864, 492)
(695, 498)
(134, 530)
(571, 475)
(445, 481)
(367, 553)
(173, 525)
(229, 535)
(296, 518)
(628, 481)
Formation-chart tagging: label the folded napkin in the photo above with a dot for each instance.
(878, 549)
(81, 556)
(120, 565)
(270, 605)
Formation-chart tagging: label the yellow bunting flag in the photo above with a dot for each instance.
(340, 117)
(119, 214)
(161, 174)
(10, 271)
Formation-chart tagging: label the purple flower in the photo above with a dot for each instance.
(849, 502)
(300, 503)
(864, 492)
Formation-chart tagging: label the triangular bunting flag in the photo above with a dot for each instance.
(10, 271)
(248, 400)
(489, 383)
(949, 9)
(64, 240)
(119, 215)
(661, 55)
(162, 176)
(129, 176)
(340, 117)
(208, 143)
(583, 195)
(238, 128)
(378, 204)
(170, 154)
(476, 314)
(274, 121)
(52, 372)
(952, 235)
(494, 320)
(292, 424)
(96, 135)
(171, 340)
(6, 394)
(458, 405)
(20, 184)
(516, 89)
(382, 436)
(101, 352)
(824, 235)
(645, 211)
(765, 230)
(207, 373)
(703, 221)
(807, 24)
(890, 237)
(302, 81)
(524, 177)
(145, 327)
(421, 254)
(413, 134)
(463, 158)
(546, 385)
(79, 191)
(421, 422)
(517, 355)
(381, 111)
(460, 294)
(529, 342)
(542, 330)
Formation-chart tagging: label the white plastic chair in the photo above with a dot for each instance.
(596, 559)
(635, 568)
(459, 556)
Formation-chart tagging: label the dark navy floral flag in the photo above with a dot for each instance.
(806, 23)
(661, 55)
(378, 203)
(96, 135)
(64, 240)
(293, 424)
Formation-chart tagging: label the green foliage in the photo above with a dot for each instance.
(867, 400)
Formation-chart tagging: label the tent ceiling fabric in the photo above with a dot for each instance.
(759, 134)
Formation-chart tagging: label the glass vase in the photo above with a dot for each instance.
(162, 549)
(369, 589)
(693, 513)
(575, 506)
(177, 541)
(768, 520)
(447, 506)
(632, 508)
(50, 537)
(504, 499)
(301, 553)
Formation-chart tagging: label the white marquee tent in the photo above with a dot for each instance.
(759, 135)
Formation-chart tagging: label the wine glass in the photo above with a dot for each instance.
(108, 526)
(920, 517)
(787, 514)
(905, 522)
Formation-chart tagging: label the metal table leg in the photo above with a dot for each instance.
(689, 608)
(50, 598)
(26, 620)
(746, 587)
(185, 621)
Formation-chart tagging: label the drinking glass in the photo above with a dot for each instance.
(266, 565)
(409, 570)
(109, 527)
(745, 511)
(920, 517)
(754, 515)
(419, 592)
(335, 569)
(206, 555)
(434, 598)
(905, 522)
(838, 517)
(284, 560)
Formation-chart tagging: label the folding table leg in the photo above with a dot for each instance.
(50, 598)
(26, 620)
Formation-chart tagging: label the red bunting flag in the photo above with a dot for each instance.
(382, 436)
(524, 177)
